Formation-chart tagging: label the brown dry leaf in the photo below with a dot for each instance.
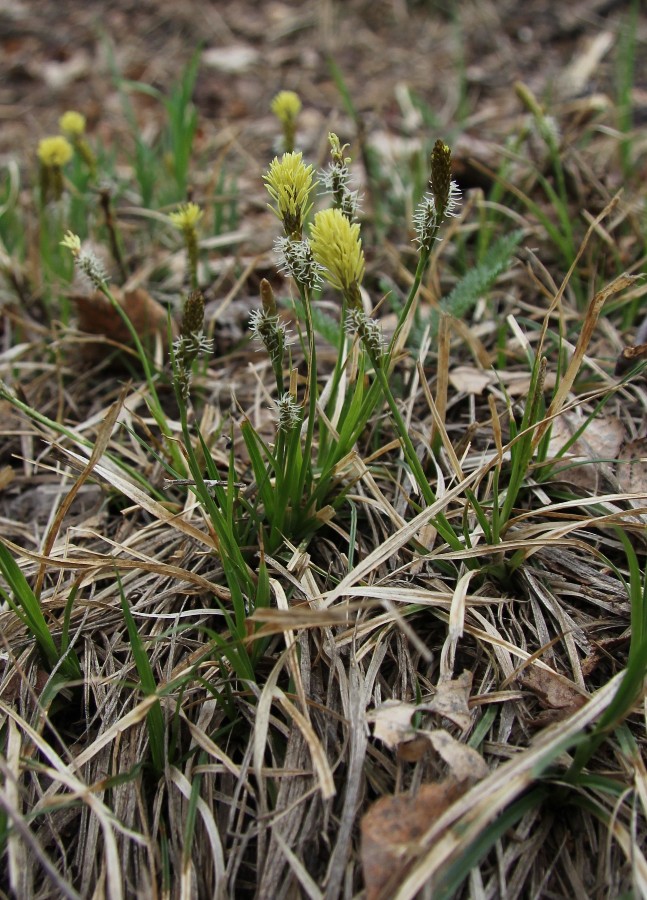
(392, 825)
(554, 692)
(465, 763)
(632, 466)
(414, 750)
(392, 722)
(98, 316)
(451, 699)
(601, 440)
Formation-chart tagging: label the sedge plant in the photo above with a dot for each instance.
(298, 478)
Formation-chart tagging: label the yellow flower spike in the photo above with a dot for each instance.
(187, 216)
(289, 183)
(186, 219)
(72, 123)
(72, 242)
(54, 152)
(337, 246)
(286, 106)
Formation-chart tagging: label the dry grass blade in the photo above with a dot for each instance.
(101, 444)
(61, 775)
(128, 489)
(586, 333)
(397, 540)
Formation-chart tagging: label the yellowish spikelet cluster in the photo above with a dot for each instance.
(186, 217)
(54, 152)
(72, 123)
(289, 183)
(337, 246)
(286, 106)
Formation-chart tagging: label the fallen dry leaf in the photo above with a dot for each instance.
(465, 763)
(451, 699)
(392, 722)
(413, 751)
(555, 693)
(601, 441)
(470, 380)
(392, 826)
(96, 315)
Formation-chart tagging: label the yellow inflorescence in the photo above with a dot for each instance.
(286, 106)
(72, 242)
(72, 123)
(289, 182)
(187, 216)
(337, 246)
(54, 151)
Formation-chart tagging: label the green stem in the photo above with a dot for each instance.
(440, 522)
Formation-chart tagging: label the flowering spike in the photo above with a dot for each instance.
(441, 175)
(289, 183)
(186, 216)
(289, 413)
(191, 342)
(440, 201)
(268, 301)
(86, 261)
(54, 152)
(186, 219)
(369, 332)
(336, 177)
(295, 259)
(72, 123)
(337, 246)
(286, 106)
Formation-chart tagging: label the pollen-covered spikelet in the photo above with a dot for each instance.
(286, 106)
(72, 123)
(290, 183)
(337, 247)
(54, 152)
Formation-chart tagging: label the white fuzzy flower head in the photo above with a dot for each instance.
(289, 413)
(295, 258)
(427, 219)
(368, 330)
(270, 331)
(91, 266)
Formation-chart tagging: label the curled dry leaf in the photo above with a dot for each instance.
(451, 699)
(629, 358)
(392, 722)
(390, 829)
